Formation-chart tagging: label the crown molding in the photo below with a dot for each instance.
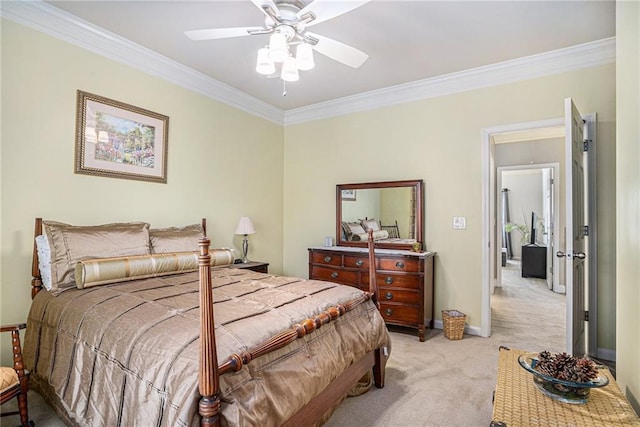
(57, 23)
(38, 15)
(585, 55)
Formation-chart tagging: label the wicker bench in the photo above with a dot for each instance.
(517, 401)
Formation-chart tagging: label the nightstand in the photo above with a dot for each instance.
(258, 266)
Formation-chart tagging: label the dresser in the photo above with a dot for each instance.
(405, 280)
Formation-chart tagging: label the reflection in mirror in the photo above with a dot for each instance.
(393, 210)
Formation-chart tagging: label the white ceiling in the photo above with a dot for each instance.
(406, 41)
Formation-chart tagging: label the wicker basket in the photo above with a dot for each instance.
(453, 324)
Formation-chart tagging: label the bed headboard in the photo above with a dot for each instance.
(36, 281)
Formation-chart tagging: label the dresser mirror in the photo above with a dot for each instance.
(392, 209)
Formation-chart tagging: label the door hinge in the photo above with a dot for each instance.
(585, 230)
(586, 315)
(585, 144)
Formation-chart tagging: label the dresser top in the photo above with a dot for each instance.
(378, 251)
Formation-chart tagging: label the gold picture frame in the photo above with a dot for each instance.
(118, 140)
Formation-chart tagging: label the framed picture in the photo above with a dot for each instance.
(349, 194)
(119, 140)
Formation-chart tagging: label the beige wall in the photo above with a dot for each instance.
(628, 199)
(217, 164)
(439, 140)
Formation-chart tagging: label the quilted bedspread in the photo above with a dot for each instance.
(126, 354)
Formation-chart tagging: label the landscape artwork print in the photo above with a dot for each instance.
(118, 140)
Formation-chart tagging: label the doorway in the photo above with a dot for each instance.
(529, 213)
(491, 137)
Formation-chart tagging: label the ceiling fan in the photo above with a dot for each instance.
(287, 22)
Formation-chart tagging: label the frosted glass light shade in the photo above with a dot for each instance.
(290, 70)
(265, 65)
(278, 48)
(245, 226)
(304, 57)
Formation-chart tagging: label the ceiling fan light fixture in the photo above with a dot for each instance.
(304, 57)
(290, 70)
(278, 47)
(265, 65)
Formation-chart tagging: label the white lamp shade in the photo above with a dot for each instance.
(290, 70)
(304, 57)
(245, 226)
(265, 65)
(278, 49)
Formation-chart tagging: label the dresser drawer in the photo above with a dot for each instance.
(399, 296)
(326, 258)
(360, 262)
(400, 313)
(334, 275)
(399, 264)
(409, 281)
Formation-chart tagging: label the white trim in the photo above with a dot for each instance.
(57, 23)
(41, 16)
(553, 62)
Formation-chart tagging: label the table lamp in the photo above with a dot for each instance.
(245, 227)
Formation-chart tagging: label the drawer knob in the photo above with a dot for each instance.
(334, 274)
(359, 263)
(389, 295)
(327, 259)
(388, 312)
(399, 264)
(388, 280)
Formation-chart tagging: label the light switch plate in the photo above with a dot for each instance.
(459, 223)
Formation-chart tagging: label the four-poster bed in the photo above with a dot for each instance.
(334, 335)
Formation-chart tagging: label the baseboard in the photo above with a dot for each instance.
(606, 354)
(470, 330)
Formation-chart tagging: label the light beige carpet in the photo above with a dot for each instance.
(437, 382)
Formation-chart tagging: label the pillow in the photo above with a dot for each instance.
(103, 271)
(69, 244)
(44, 260)
(377, 235)
(356, 228)
(175, 239)
(370, 224)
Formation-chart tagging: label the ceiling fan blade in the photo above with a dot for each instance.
(260, 3)
(328, 9)
(220, 33)
(339, 51)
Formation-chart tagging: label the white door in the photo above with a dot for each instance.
(574, 254)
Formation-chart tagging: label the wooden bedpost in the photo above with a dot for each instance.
(36, 281)
(209, 407)
(380, 354)
(204, 226)
(373, 284)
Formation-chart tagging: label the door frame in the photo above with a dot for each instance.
(489, 240)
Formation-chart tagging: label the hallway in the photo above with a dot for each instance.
(527, 313)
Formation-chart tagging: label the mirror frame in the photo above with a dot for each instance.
(419, 186)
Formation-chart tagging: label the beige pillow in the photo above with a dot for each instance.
(95, 272)
(175, 239)
(69, 244)
(370, 224)
(356, 228)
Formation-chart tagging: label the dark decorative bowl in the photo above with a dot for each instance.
(563, 391)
